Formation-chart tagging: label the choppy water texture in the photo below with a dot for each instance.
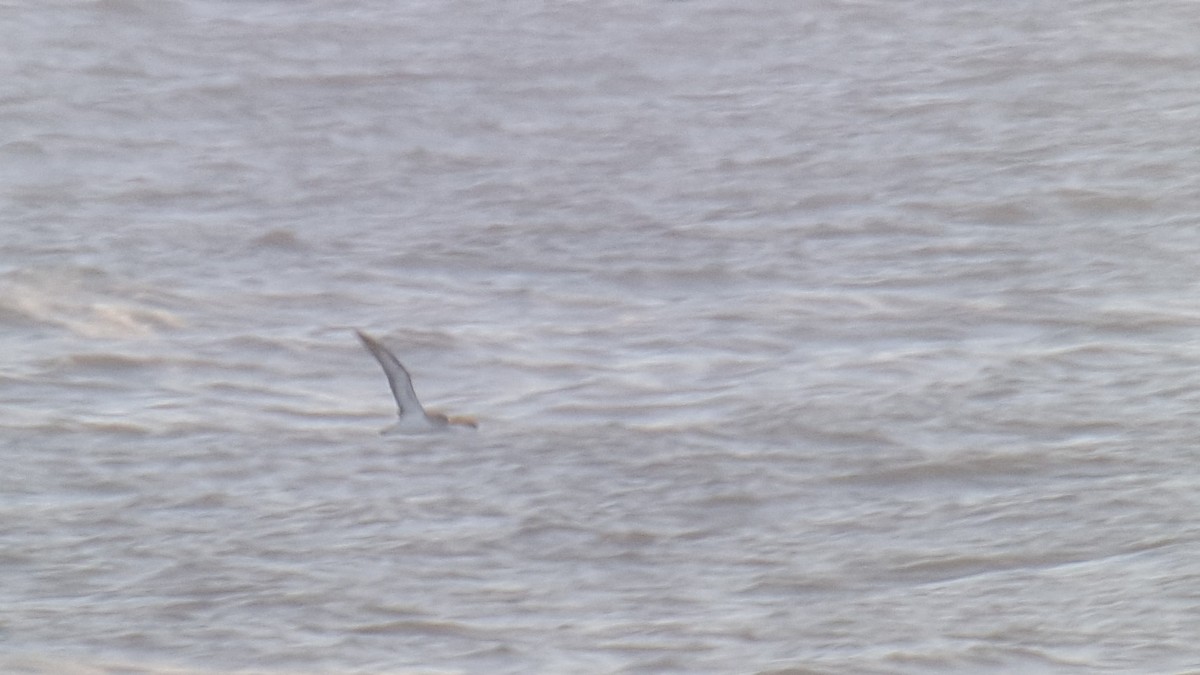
(827, 337)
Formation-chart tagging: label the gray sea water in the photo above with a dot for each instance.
(805, 337)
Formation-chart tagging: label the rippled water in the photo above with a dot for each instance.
(805, 338)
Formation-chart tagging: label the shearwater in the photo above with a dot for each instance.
(413, 416)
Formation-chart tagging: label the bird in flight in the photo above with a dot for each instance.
(413, 416)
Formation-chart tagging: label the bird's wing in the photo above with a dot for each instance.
(398, 377)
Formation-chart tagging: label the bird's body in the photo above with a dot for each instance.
(413, 416)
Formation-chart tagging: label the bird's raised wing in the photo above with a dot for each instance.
(398, 377)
